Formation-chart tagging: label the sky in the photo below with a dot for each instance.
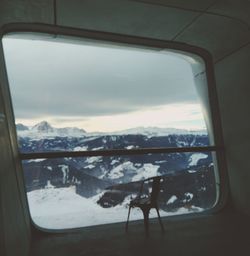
(100, 87)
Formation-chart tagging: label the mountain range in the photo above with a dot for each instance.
(44, 129)
(184, 174)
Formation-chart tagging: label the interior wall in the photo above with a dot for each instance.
(15, 237)
(222, 235)
(220, 35)
(232, 77)
(15, 232)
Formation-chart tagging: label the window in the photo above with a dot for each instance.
(95, 118)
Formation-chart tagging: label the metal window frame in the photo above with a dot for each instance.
(218, 147)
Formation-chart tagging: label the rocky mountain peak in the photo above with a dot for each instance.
(43, 126)
(21, 127)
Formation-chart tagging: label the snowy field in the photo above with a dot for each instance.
(60, 208)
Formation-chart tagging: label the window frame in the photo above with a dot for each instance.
(218, 146)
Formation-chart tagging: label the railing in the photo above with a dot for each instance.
(116, 152)
(109, 202)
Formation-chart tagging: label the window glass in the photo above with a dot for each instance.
(84, 95)
(76, 192)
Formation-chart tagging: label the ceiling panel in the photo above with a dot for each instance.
(239, 9)
(125, 17)
(26, 11)
(217, 34)
(198, 5)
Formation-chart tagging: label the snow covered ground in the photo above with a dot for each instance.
(61, 208)
(196, 157)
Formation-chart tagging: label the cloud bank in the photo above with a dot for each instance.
(64, 80)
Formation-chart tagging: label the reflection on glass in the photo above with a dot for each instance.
(100, 96)
(78, 192)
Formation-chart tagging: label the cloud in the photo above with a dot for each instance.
(183, 116)
(58, 80)
(174, 115)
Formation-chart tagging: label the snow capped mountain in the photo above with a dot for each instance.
(21, 127)
(43, 127)
(45, 130)
(156, 131)
(70, 131)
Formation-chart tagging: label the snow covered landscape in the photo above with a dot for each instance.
(57, 208)
(74, 192)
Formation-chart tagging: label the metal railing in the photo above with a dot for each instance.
(115, 152)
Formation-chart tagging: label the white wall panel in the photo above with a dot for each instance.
(233, 76)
